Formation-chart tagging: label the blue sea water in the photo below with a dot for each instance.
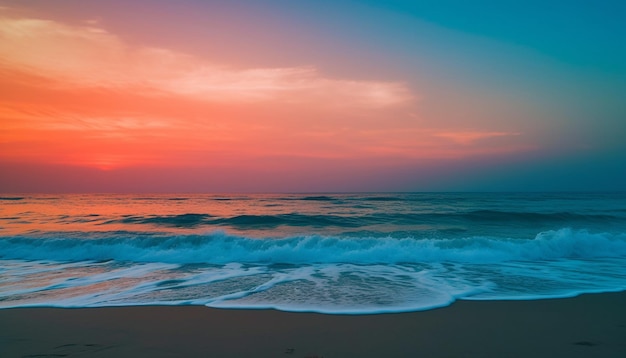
(330, 253)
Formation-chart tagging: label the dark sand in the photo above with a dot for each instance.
(585, 326)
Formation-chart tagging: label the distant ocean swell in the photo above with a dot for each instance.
(306, 273)
(295, 219)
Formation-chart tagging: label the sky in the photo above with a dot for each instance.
(312, 96)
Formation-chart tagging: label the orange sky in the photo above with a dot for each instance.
(78, 91)
(78, 94)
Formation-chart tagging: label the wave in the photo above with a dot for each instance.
(166, 220)
(318, 198)
(239, 221)
(383, 198)
(495, 215)
(220, 248)
(291, 219)
(249, 221)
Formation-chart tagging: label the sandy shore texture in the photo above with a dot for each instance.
(585, 326)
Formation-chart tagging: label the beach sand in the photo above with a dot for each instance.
(586, 326)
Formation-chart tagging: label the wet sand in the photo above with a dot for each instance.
(585, 326)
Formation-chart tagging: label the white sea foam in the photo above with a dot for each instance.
(549, 266)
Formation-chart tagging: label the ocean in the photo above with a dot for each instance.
(363, 253)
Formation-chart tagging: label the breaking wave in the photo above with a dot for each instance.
(219, 248)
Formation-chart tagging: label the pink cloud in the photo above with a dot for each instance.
(470, 137)
(83, 96)
(90, 56)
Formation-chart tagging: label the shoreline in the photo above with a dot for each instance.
(582, 326)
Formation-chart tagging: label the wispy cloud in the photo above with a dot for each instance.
(470, 137)
(90, 56)
(83, 96)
